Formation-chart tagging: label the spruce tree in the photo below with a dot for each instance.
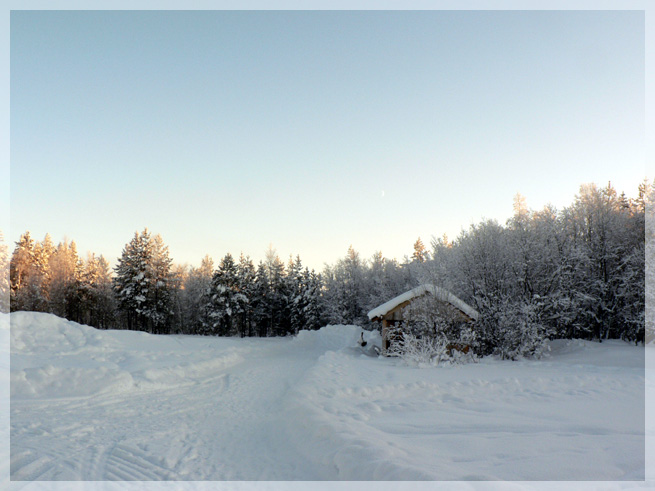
(296, 286)
(226, 302)
(246, 279)
(142, 283)
(261, 301)
(313, 317)
(162, 285)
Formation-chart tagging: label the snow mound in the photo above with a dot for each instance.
(36, 332)
(336, 337)
(54, 358)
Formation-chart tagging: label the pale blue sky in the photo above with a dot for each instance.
(227, 131)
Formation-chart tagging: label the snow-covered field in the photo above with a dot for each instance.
(96, 405)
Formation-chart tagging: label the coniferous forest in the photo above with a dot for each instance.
(578, 272)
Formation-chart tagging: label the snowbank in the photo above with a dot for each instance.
(53, 358)
(334, 338)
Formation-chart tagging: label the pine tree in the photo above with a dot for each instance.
(420, 254)
(27, 275)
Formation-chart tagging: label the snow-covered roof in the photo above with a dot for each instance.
(440, 293)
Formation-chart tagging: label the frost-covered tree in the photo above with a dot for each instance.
(439, 269)
(246, 279)
(603, 241)
(376, 281)
(297, 297)
(178, 277)
(164, 282)
(142, 283)
(304, 288)
(346, 296)
(195, 294)
(261, 302)
(28, 275)
(574, 273)
(483, 264)
(4, 275)
(649, 256)
(226, 303)
(65, 282)
(97, 296)
(383, 279)
(519, 331)
(420, 253)
(277, 295)
(311, 292)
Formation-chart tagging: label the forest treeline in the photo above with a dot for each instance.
(575, 272)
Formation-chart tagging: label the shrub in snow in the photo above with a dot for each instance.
(513, 329)
(429, 350)
(519, 333)
(434, 331)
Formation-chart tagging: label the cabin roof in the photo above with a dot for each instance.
(440, 293)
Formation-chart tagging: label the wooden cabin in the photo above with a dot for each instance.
(395, 310)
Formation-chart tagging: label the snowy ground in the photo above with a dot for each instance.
(89, 405)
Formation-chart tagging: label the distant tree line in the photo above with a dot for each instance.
(578, 272)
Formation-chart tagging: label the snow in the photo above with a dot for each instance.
(438, 292)
(91, 405)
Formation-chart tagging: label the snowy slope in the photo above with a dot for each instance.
(119, 405)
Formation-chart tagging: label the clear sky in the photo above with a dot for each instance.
(228, 131)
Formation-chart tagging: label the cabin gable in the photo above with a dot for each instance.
(399, 309)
